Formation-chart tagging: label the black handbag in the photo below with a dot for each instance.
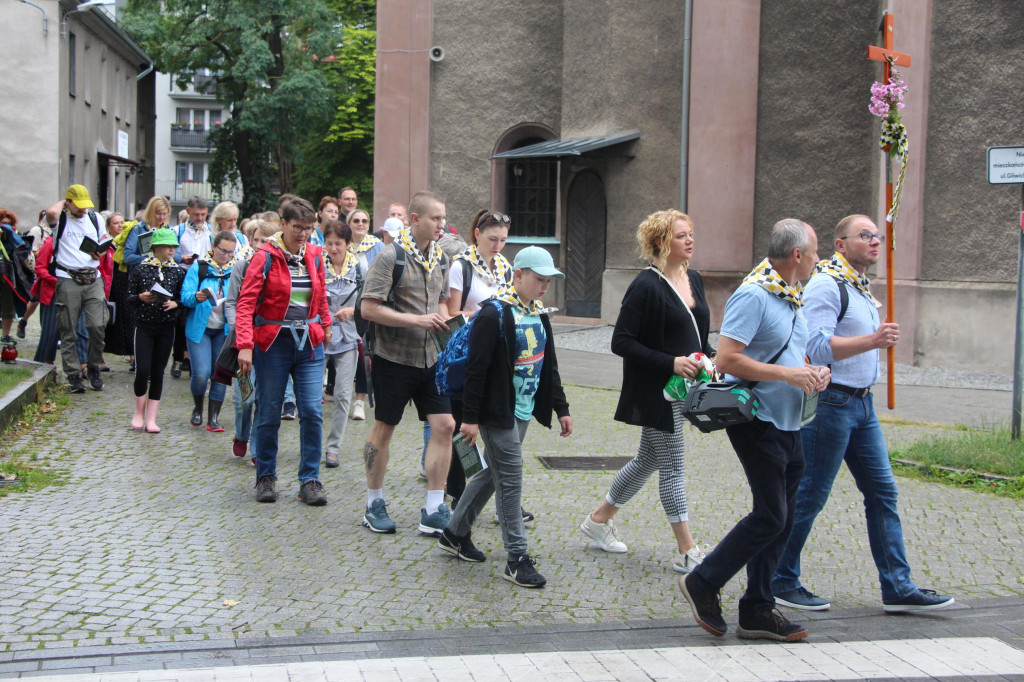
(714, 405)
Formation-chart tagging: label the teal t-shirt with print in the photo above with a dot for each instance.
(529, 358)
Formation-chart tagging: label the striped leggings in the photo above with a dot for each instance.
(662, 452)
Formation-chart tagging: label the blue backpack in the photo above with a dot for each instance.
(452, 361)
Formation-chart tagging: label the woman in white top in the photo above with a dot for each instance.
(225, 218)
(476, 275)
(365, 248)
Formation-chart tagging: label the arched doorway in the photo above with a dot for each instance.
(586, 230)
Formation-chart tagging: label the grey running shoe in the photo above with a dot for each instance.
(376, 517)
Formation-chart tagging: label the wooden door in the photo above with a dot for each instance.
(585, 245)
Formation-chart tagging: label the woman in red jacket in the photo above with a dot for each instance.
(282, 322)
(43, 289)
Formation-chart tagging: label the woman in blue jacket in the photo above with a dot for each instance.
(204, 291)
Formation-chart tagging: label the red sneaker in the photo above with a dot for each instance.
(238, 447)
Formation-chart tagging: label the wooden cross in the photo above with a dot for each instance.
(889, 58)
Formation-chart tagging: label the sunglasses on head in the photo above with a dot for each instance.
(494, 217)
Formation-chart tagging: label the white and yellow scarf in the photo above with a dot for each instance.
(244, 252)
(369, 241)
(434, 256)
(150, 259)
(351, 262)
(217, 268)
(501, 266)
(277, 240)
(765, 276)
(508, 294)
(840, 269)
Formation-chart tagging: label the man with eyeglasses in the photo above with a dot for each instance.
(846, 333)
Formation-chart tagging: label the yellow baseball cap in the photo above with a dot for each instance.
(79, 196)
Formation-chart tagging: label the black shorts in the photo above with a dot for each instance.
(394, 385)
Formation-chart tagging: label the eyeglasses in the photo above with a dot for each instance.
(493, 217)
(224, 252)
(360, 221)
(867, 236)
(301, 228)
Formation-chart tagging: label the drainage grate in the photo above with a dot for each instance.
(584, 463)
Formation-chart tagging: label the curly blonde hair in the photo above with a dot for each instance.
(655, 232)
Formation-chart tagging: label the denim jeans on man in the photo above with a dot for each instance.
(202, 355)
(273, 367)
(503, 478)
(773, 462)
(846, 428)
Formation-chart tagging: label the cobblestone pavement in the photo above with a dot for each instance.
(157, 538)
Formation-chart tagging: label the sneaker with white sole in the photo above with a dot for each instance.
(358, 412)
(920, 600)
(802, 599)
(434, 524)
(684, 563)
(376, 517)
(520, 570)
(604, 535)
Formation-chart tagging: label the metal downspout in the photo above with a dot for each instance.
(684, 132)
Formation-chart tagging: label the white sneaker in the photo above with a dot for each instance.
(684, 563)
(358, 413)
(604, 535)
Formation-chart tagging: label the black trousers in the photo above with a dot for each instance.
(152, 350)
(773, 462)
(456, 483)
(179, 339)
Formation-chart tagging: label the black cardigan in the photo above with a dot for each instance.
(652, 330)
(488, 396)
(141, 279)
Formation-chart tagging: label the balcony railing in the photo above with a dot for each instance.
(200, 85)
(190, 139)
(187, 190)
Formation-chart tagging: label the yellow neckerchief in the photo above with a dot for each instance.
(765, 276)
(244, 253)
(277, 240)
(434, 257)
(508, 294)
(501, 267)
(369, 241)
(217, 268)
(150, 259)
(333, 275)
(839, 268)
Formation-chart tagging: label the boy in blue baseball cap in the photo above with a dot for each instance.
(511, 376)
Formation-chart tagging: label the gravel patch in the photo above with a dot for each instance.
(599, 340)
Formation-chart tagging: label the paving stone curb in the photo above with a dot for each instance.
(26, 392)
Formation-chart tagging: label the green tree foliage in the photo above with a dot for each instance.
(338, 152)
(266, 57)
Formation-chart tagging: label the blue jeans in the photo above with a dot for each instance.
(273, 367)
(202, 355)
(82, 342)
(289, 391)
(243, 409)
(846, 428)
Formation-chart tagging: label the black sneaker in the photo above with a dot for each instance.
(921, 600)
(95, 382)
(771, 624)
(75, 384)
(312, 493)
(21, 328)
(461, 547)
(289, 411)
(520, 570)
(527, 516)
(176, 369)
(265, 490)
(706, 606)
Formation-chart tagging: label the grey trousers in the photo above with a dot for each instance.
(345, 366)
(502, 478)
(71, 299)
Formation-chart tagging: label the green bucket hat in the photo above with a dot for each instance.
(164, 237)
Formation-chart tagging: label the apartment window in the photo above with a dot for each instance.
(86, 75)
(128, 98)
(214, 118)
(198, 172)
(180, 172)
(71, 64)
(531, 192)
(117, 93)
(189, 172)
(71, 169)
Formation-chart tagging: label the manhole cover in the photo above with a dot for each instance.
(584, 463)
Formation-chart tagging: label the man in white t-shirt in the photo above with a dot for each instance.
(79, 285)
(194, 235)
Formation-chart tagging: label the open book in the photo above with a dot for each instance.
(441, 339)
(94, 248)
(145, 241)
(211, 296)
(161, 293)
